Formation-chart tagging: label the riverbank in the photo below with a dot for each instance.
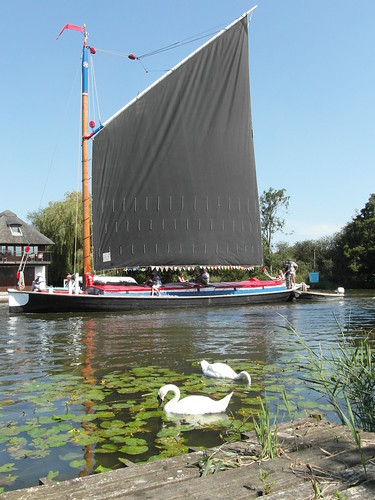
(315, 458)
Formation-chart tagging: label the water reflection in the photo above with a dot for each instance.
(198, 420)
(93, 348)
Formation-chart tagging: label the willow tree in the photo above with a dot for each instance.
(61, 221)
(272, 202)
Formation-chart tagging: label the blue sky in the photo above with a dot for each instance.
(312, 74)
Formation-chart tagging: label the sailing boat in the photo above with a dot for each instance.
(173, 184)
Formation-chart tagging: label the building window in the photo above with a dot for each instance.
(16, 230)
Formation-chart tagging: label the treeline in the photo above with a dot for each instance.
(345, 259)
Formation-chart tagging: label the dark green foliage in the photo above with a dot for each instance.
(355, 248)
(346, 259)
(317, 255)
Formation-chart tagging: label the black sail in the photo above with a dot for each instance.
(173, 173)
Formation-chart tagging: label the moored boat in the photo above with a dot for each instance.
(127, 298)
(307, 294)
(174, 185)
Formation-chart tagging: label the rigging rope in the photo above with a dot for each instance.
(185, 41)
(199, 36)
(21, 281)
(161, 49)
(78, 190)
(171, 46)
(21, 268)
(59, 135)
(95, 90)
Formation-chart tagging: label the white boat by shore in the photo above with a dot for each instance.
(307, 294)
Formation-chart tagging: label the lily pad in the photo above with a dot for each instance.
(7, 402)
(133, 450)
(101, 469)
(106, 448)
(5, 468)
(105, 414)
(118, 439)
(52, 475)
(78, 464)
(68, 457)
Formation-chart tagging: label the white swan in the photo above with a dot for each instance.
(222, 370)
(191, 405)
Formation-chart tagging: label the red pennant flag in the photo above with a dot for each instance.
(72, 27)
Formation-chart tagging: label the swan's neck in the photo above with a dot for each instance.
(245, 376)
(204, 365)
(176, 391)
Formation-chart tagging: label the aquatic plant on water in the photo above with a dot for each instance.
(73, 426)
(116, 419)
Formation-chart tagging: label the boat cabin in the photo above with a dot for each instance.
(20, 241)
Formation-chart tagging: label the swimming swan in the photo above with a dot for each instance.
(191, 405)
(222, 370)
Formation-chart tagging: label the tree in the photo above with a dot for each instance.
(61, 221)
(316, 255)
(271, 203)
(355, 248)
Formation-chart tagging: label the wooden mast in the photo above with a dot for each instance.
(85, 163)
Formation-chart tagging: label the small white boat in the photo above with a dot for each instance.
(306, 294)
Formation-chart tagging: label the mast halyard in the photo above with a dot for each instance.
(85, 161)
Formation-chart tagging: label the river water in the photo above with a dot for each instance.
(78, 392)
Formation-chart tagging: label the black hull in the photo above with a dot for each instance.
(34, 302)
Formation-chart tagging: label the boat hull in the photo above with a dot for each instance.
(307, 295)
(36, 302)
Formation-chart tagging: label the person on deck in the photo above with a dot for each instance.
(293, 272)
(204, 277)
(280, 275)
(39, 283)
(287, 274)
(181, 278)
(156, 283)
(290, 273)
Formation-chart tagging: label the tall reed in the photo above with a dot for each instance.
(346, 373)
(266, 432)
